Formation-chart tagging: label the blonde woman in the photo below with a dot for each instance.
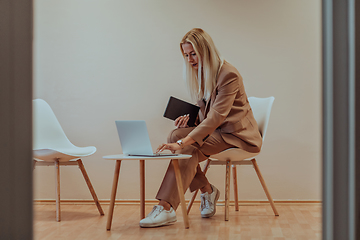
(225, 120)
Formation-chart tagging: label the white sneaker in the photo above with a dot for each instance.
(158, 217)
(208, 202)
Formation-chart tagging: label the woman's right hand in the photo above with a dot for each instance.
(181, 122)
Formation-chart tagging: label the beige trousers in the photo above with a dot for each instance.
(191, 173)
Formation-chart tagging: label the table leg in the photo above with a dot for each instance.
(142, 189)
(113, 194)
(181, 192)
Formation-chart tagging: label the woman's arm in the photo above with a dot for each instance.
(219, 109)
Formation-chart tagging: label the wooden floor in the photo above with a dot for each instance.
(257, 221)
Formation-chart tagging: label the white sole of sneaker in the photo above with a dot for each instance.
(150, 225)
(213, 213)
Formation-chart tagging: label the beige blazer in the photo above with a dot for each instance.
(228, 110)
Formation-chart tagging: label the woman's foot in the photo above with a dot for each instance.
(159, 217)
(208, 202)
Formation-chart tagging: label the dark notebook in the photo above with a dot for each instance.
(177, 107)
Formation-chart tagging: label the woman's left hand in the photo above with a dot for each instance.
(181, 122)
(169, 146)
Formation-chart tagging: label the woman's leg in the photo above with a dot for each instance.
(191, 173)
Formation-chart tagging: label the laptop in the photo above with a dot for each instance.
(134, 139)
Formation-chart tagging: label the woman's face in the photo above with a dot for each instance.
(190, 55)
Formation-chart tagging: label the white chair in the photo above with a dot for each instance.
(234, 156)
(52, 147)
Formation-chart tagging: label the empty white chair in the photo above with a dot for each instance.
(261, 108)
(52, 147)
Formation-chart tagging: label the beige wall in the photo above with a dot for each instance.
(100, 61)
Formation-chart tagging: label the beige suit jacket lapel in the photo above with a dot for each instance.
(210, 101)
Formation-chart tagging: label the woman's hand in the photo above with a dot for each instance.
(181, 122)
(169, 146)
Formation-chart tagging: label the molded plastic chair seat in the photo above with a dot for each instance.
(233, 153)
(51, 146)
(63, 154)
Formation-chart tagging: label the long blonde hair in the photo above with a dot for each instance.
(202, 82)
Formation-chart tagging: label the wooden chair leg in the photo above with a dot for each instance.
(235, 188)
(227, 189)
(193, 197)
(206, 167)
(57, 174)
(88, 182)
(262, 181)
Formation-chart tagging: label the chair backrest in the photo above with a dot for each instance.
(261, 108)
(47, 131)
